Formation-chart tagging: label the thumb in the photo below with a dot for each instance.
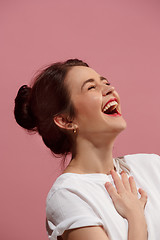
(143, 198)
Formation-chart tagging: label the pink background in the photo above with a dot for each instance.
(120, 40)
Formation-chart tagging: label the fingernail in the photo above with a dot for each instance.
(131, 177)
(107, 184)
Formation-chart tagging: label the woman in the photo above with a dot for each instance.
(77, 111)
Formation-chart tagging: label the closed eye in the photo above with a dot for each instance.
(107, 83)
(91, 87)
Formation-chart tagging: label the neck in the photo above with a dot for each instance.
(93, 156)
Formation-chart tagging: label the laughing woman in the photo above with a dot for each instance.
(77, 111)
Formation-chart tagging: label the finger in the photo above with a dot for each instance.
(143, 198)
(125, 181)
(133, 185)
(111, 191)
(117, 181)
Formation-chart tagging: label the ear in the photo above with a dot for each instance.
(63, 122)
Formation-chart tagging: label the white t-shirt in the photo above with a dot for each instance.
(78, 200)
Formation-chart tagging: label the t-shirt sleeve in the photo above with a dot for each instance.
(66, 210)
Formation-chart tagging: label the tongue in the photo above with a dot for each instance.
(111, 113)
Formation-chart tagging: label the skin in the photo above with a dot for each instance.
(96, 133)
(96, 130)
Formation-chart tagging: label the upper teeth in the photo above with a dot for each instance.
(113, 103)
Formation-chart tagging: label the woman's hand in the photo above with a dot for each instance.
(127, 204)
(125, 196)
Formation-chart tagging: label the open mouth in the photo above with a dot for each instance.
(111, 108)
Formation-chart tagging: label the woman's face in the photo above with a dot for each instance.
(90, 94)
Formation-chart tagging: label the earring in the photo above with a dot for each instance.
(74, 130)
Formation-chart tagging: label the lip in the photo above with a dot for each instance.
(115, 114)
(110, 100)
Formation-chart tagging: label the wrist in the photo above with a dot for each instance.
(135, 214)
(134, 218)
(137, 227)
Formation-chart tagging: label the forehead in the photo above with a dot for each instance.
(78, 74)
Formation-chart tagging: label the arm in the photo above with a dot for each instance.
(128, 205)
(87, 233)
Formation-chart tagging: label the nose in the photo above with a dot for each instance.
(107, 89)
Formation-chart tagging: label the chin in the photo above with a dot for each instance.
(123, 125)
(120, 126)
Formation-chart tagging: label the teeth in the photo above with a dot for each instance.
(113, 103)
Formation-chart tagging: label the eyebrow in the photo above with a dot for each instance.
(92, 80)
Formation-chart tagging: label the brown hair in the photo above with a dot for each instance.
(36, 106)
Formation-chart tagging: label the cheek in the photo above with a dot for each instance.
(87, 106)
(116, 95)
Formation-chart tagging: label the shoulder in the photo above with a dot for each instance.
(67, 206)
(68, 190)
(75, 191)
(143, 162)
(62, 183)
(74, 183)
(142, 158)
(67, 209)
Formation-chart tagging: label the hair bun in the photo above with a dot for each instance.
(22, 111)
(24, 91)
